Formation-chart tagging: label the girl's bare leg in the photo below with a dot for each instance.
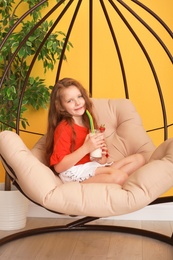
(108, 175)
(130, 163)
(119, 171)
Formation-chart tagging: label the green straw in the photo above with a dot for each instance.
(91, 121)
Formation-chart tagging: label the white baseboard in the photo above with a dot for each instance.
(159, 212)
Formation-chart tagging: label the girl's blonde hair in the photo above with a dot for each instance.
(57, 113)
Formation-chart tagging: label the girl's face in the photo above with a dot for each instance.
(73, 102)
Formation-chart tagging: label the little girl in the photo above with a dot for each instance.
(69, 143)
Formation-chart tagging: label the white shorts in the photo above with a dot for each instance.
(81, 172)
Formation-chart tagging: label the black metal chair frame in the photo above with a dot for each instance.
(82, 224)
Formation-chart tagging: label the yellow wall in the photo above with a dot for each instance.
(107, 78)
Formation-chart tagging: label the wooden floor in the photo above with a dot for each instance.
(89, 245)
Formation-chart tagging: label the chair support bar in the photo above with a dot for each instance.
(80, 225)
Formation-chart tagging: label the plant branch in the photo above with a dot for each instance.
(13, 13)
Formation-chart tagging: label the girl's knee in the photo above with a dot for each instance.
(140, 159)
(119, 177)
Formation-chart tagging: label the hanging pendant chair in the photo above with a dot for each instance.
(124, 134)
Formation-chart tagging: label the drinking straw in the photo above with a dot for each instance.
(91, 121)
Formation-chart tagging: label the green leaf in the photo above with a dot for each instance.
(28, 43)
(23, 124)
(49, 44)
(22, 52)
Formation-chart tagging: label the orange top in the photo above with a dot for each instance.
(63, 140)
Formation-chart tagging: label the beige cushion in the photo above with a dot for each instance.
(125, 135)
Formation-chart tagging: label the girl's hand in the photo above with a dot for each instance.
(104, 150)
(104, 154)
(94, 141)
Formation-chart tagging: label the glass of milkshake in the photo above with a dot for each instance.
(96, 154)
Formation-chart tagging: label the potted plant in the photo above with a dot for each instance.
(36, 92)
